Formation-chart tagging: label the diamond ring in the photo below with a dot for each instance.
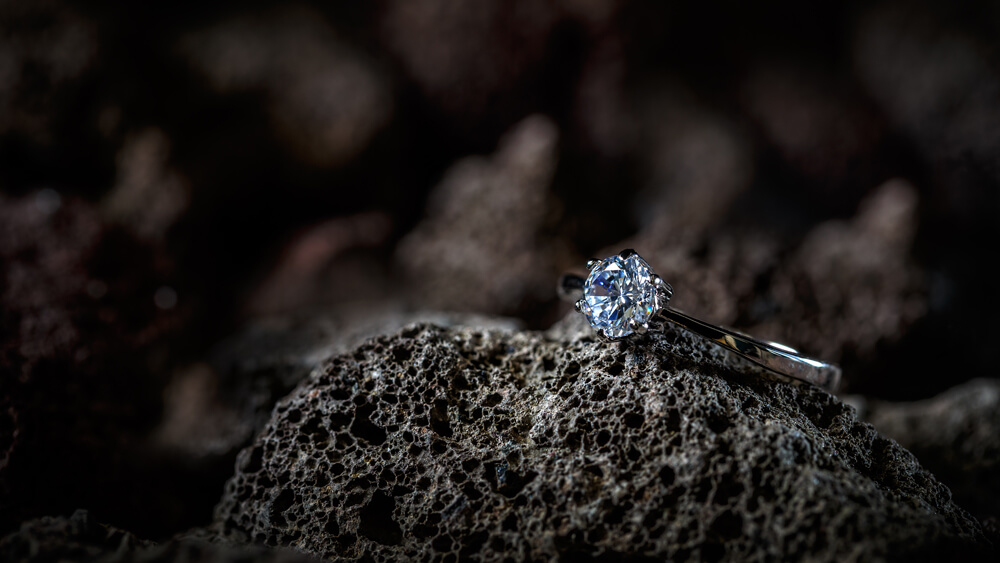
(622, 296)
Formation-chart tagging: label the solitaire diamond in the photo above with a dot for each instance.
(620, 295)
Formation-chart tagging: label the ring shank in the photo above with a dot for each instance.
(775, 357)
(772, 356)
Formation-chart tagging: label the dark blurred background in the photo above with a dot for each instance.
(184, 187)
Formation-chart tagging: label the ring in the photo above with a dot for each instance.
(622, 297)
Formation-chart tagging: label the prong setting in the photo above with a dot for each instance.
(637, 327)
(621, 295)
(664, 291)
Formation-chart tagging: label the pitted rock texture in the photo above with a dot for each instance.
(81, 538)
(956, 435)
(214, 409)
(466, 444)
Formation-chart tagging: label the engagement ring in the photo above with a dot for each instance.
(622, 296)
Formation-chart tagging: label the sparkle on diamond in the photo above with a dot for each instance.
(617, 290)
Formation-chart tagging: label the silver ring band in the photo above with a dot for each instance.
(770, 355)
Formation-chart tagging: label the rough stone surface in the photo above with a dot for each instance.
(842, 291)
(481, 247)
(81, 538)
(215, 408)
(449, 444)
(956, 435)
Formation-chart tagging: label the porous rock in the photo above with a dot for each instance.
(213, 409)
(845, 290)
(491, 445)
(81, 537)
(956, 435)
(482, 246)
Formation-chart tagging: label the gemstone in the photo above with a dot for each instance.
(617, 292)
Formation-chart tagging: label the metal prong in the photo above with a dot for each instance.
(636, 327)
(626, 253)
(592, 263)
(666, 286)
(578, 305)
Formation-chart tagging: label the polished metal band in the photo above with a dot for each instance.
(773, 356)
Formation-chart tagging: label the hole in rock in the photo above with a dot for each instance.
(284, 501)
(634, 420)
(424, 532)
(718, 422)
(332, 527)
(254, 460)
(460, 383)
(728, 525)
(338, 420)
(364, 428)
(400, 354)
(599, 395)
(472, 545)
(376, 521)
(713, 552)
(439, 418)
(472, 492)
(442, 544)
(314, 427)
(727, 488)
(673, 420)
(603, 437)
(667, 475)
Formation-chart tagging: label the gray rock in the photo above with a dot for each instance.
(213, 409)
(480, 444)
(81, 538)
(956, 435)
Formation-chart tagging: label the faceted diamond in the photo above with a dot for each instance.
(619, 290)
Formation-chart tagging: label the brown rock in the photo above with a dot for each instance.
(481, 247)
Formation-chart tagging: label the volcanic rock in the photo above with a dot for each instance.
(81, 538)
(478, 444)
(956, 435)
